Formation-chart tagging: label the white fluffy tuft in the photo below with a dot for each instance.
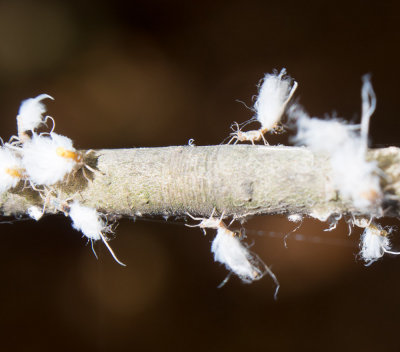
(355, 177)
(87, 220)
(42, 160)
(10, 169)
(295, 217)
(374, 244)
(30, 114)
(229, 251)
(274, 94)
(35, 213)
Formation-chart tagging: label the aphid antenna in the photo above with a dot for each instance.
(242, 102)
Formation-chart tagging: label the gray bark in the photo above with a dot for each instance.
(238, 179)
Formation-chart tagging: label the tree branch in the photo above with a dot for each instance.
(238, 179)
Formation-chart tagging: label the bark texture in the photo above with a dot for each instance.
(238, 179)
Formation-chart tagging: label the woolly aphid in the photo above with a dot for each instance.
(354, 177)
(375, 243)
(11, 169)
(47, 159)
(30, 115)
(275, 92)
(229, 250)
(89, 222)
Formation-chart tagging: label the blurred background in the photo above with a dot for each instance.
(149, 73)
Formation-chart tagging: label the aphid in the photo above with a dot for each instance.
(11, 169)
(374, 243)
(88, 221)
(49, 158)
(275, 92)
(210, 223)
(354, 177)
(30, 115)
(229, 250)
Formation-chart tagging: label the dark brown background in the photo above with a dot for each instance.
(157, 73)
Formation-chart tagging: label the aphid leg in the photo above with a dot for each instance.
(111, 251)
(230, 141)
(68, 175)
(92, 170)
(264, 140)
(194, 218)
(84, 175)
(235, 134)
(197, 225)
(32, 185)
(210, 222)
(46, 199)
(14, 140)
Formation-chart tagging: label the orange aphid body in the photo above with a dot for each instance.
(13, 172)
(69, 154)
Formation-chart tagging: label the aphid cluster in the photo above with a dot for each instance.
(41, 160)
(356, 180)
